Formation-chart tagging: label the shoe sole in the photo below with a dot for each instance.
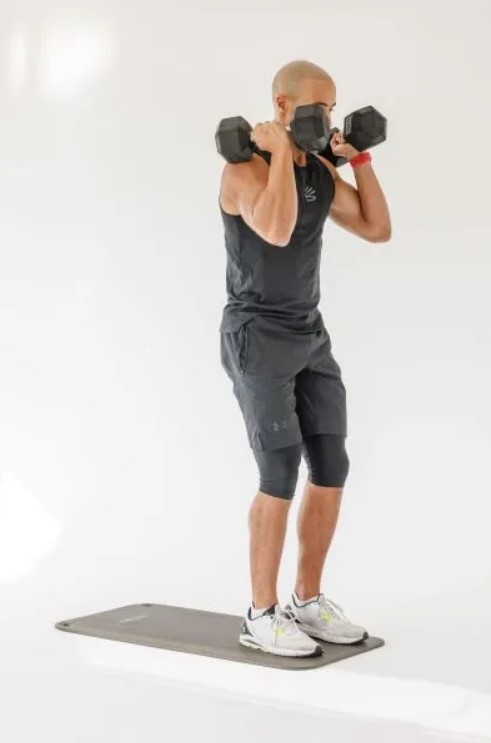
(311, 632)
(248, 642)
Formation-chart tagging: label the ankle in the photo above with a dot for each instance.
(306, 592)
(264, 602)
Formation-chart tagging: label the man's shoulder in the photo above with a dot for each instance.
(237, 176)
(235, 170)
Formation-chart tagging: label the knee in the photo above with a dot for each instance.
(278, 471)
(327, 460)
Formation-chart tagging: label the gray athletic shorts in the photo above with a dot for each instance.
(288, 384)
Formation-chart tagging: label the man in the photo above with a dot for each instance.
(277, 351)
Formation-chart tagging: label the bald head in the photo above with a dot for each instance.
(288, 80)
(299, 83)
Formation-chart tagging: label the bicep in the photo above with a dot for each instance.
(244, 183)
(248, 187)
(346, 210)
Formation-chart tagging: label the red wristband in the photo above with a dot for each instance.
(363, 157)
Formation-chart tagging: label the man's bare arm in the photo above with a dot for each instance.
(265, 196)
(362, 210)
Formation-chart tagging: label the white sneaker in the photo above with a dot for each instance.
(275, 631)
(321, 618)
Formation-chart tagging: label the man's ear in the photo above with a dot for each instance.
(281, 103)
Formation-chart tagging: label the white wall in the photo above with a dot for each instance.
(124, 464)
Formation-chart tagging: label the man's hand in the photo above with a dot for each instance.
(270, 136)
(341, 148)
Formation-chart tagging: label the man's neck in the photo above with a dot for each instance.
(298, 155)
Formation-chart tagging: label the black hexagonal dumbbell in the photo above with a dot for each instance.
(309, 129)
(364, 128)
(233, 139)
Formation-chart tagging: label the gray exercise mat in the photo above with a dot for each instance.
(199, 632)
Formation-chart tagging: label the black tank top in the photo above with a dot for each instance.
(280, 284)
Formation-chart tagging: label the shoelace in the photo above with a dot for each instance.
(330, 607)
(285, 619)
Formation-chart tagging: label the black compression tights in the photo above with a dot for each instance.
(326, 458)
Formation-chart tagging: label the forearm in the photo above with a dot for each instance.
(373, 203)
(275, 211)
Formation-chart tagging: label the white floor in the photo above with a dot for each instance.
(432, 681)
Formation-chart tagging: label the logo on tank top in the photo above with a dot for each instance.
(309, 193)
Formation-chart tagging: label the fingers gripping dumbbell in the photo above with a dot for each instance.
(309, 130)
(364, 128)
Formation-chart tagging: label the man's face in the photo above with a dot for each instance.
(320, 92)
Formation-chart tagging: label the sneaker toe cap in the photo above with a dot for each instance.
(355, 630)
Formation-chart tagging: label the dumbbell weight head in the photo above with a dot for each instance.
(233, 139)
(310, 128)
(365, 128)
